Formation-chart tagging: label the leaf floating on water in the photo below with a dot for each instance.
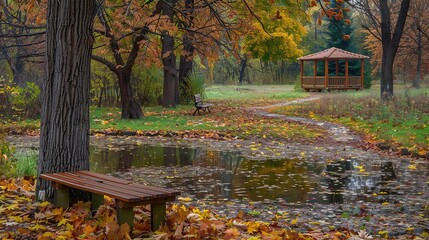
(184, 199)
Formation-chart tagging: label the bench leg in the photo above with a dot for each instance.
(62, 196)
(96, 201)
(158, 215)
(196, 112)
(125, 214)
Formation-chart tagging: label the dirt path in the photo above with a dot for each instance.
(337, 133)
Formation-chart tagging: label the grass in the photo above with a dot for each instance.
(26, 162)
(253, 92)
(402, 122)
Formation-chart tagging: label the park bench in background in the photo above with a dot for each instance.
(199, 105)
(126, 194)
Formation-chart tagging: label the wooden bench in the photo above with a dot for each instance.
(127, 194)
(199, 105)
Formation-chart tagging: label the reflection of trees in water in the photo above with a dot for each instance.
(346, 186)
(272, 179)
(337, 180)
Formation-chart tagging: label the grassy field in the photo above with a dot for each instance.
(402, 122)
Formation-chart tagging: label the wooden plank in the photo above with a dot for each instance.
(120, 188)
(157, 191)
(130, 192)
(90, 187)
(131, 184)
(104, 177)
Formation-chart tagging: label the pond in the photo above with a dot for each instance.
(217, 175)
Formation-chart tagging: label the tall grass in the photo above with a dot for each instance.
(402, 121)
(26, 163)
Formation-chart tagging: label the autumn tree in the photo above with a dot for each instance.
(414, 45)
(21, 38)
(128, 22)
(64, 128)
(388, 28)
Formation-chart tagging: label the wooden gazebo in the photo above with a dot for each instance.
(330, 81)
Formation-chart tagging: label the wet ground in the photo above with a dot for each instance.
(333, 184)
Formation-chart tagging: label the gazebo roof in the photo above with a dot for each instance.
(333, 53)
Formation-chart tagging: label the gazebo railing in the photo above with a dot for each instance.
(334, 82)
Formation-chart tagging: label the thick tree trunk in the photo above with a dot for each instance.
(390, 42)
(131, 108)
(186, 58)
(169, 60)
(64, 130)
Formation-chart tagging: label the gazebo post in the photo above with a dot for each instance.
(326, 73)
(362, 72)
(337, 68)
(347, 73)
(315, 72)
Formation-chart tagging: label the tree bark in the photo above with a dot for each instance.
(131, 108)
(243, 66)
(169, 59)
(186, 58)
(416, 81)
(64, 129)
(390, 43)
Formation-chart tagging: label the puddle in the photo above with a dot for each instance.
(215, 175)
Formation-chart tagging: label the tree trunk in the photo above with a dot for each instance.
(416, 81)
(64, 129)
(169, 60)
(186, 58)
(243, 66)
(386, 74)
(390, 43)
(131, 108)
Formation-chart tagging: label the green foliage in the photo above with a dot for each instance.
(7, 167)
(148, 85)
(104, 85)
(197, 85)
(25, 99)
(26, 163)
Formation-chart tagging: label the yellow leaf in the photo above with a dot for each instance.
(294, 222)
(37, 227)
(184, 199)
(62, 222)
(49, 235)
(12, 207)
(69, 227)
(16, 219)
(44, 204)
(412, 167)
(253, 227)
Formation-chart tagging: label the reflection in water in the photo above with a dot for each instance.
(226, 175)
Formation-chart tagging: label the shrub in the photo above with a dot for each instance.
(148, 86)
(25, 99)
(196, 83)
